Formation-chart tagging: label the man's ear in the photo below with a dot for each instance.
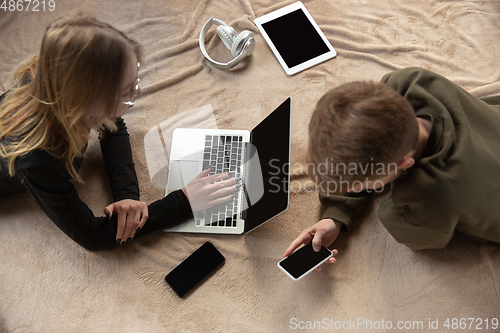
(406, 162)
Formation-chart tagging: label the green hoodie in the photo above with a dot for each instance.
(455, 184)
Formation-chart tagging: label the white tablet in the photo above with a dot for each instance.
(295, 38)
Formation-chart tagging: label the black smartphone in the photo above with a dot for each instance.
(194, 269)
(303, 261)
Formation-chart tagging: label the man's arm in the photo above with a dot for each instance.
(345, 207)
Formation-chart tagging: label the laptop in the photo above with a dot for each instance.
(260, 158)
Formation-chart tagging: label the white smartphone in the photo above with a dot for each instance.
(304, 261)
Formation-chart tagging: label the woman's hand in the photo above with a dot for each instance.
(205, 191)
(324, 232)
(131, 216)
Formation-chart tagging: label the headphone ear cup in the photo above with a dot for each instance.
(227, 35)
(240, 41)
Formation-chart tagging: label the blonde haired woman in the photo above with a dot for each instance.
(86, 76)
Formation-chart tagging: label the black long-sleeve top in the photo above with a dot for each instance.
(49, 183)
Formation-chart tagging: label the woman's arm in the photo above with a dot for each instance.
(119, 164)
(131, 213)
(56, 195)
(49, 184)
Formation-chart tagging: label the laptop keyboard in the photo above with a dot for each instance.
(223, 153)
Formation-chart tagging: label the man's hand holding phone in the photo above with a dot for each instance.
(325, 232)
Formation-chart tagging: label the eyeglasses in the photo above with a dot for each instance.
(135, 89)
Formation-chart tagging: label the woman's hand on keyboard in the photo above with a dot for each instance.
(205, 191)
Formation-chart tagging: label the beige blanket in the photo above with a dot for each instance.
(50, 284)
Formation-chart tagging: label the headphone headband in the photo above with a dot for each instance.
(246, 49)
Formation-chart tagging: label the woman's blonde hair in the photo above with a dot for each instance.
(81, 64)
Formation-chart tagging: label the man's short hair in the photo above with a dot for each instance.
(359, 131)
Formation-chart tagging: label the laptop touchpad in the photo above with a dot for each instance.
(181, 173)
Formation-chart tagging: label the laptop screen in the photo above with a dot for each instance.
(271, 140)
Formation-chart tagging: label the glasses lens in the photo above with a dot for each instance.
(136, 89)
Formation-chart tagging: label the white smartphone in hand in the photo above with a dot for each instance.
(304, 261)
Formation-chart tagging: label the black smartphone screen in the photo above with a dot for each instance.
(194, 269)
(304, 260)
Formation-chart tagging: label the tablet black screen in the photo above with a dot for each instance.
(295, 38)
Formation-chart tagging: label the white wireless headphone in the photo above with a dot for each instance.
(241, 46)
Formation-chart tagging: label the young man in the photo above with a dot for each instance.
(435, 144)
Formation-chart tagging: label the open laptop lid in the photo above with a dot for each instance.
(271, 138)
